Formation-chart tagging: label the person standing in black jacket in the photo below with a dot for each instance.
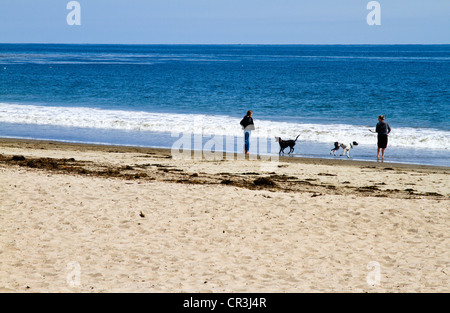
(248, 126)
(383, 129)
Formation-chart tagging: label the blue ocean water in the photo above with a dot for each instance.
(145, 94)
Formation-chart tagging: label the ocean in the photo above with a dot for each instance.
(150, 95)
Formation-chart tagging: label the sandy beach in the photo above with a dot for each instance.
(86, 218)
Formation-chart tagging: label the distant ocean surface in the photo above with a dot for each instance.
(144, 95)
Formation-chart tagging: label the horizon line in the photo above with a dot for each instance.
(230, 44)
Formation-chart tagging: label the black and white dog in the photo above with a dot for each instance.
(286, 143)
(344, 146)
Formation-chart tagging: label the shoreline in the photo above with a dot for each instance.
(326, 176)
(36, 143)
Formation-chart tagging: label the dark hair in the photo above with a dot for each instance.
(249, 112)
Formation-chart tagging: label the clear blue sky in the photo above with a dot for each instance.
(226, 22)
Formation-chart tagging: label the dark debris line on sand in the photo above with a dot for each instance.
(253, 181)
(69, 166)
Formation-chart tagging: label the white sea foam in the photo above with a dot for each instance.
(214, 125)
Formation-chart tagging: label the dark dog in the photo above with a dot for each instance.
(286, 143)
(345, 147)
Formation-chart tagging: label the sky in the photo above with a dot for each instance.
(225, 22)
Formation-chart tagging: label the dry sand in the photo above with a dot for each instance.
(82, 218)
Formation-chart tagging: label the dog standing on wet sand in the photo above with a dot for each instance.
(286, 143)
(345, 147)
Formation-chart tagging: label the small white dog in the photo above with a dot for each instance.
(345, 147)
